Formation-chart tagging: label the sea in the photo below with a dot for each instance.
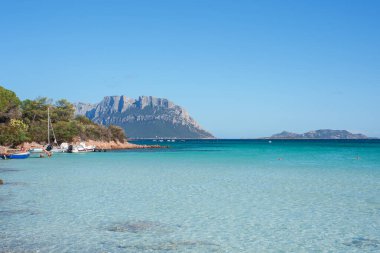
(196, 196)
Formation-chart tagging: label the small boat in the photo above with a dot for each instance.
(36, 150)
(87, 148)
(81, 148)
(60, 149)
(19, 155)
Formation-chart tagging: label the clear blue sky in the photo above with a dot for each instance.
(241, 68)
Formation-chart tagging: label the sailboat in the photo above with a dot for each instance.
(49, 148)
(54, 148)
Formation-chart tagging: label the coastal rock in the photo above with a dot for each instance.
(118, 145)
(145, 117)
(1, 182)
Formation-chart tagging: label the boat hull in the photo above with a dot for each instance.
(23, 155)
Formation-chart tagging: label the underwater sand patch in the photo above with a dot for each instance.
(363, 243)
(138, 227)
(5, 170)
(16, 183)
(17, 212)
(174, 245)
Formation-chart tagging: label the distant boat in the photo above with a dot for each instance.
(19, 155)
(36, 150)
(61, 149)
(81, 148)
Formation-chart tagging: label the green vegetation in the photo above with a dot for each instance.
(27, 120)
(9, 105)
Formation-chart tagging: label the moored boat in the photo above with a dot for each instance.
(60, 149)
(36, 150)
(81, 148)
(18, 155)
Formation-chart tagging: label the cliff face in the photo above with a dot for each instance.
(145, 117)
(320, 134)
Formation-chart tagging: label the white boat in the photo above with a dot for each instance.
(36, 150)
(85, 148)
(61, 149)
(81, 148)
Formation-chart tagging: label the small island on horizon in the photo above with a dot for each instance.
(321, 134)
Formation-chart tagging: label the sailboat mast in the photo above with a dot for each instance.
(48, 126)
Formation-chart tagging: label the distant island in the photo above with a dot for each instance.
(143, 118)
(319, 134)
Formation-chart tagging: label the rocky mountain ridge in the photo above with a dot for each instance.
(145, 117)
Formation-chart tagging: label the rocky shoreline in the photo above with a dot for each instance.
(104, 145)
(112, 145)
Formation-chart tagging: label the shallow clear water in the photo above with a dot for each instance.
(197, 196)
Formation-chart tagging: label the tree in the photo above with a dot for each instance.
(66, 131)
(117, 133)
(34, 110)
(13, 133)
(9, 105)
(84, 120)
(62, 111)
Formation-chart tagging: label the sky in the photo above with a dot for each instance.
(243, 69)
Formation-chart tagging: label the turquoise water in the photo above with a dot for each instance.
(197, 196)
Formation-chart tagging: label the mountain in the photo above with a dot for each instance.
(319, 134)
(145, 117)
